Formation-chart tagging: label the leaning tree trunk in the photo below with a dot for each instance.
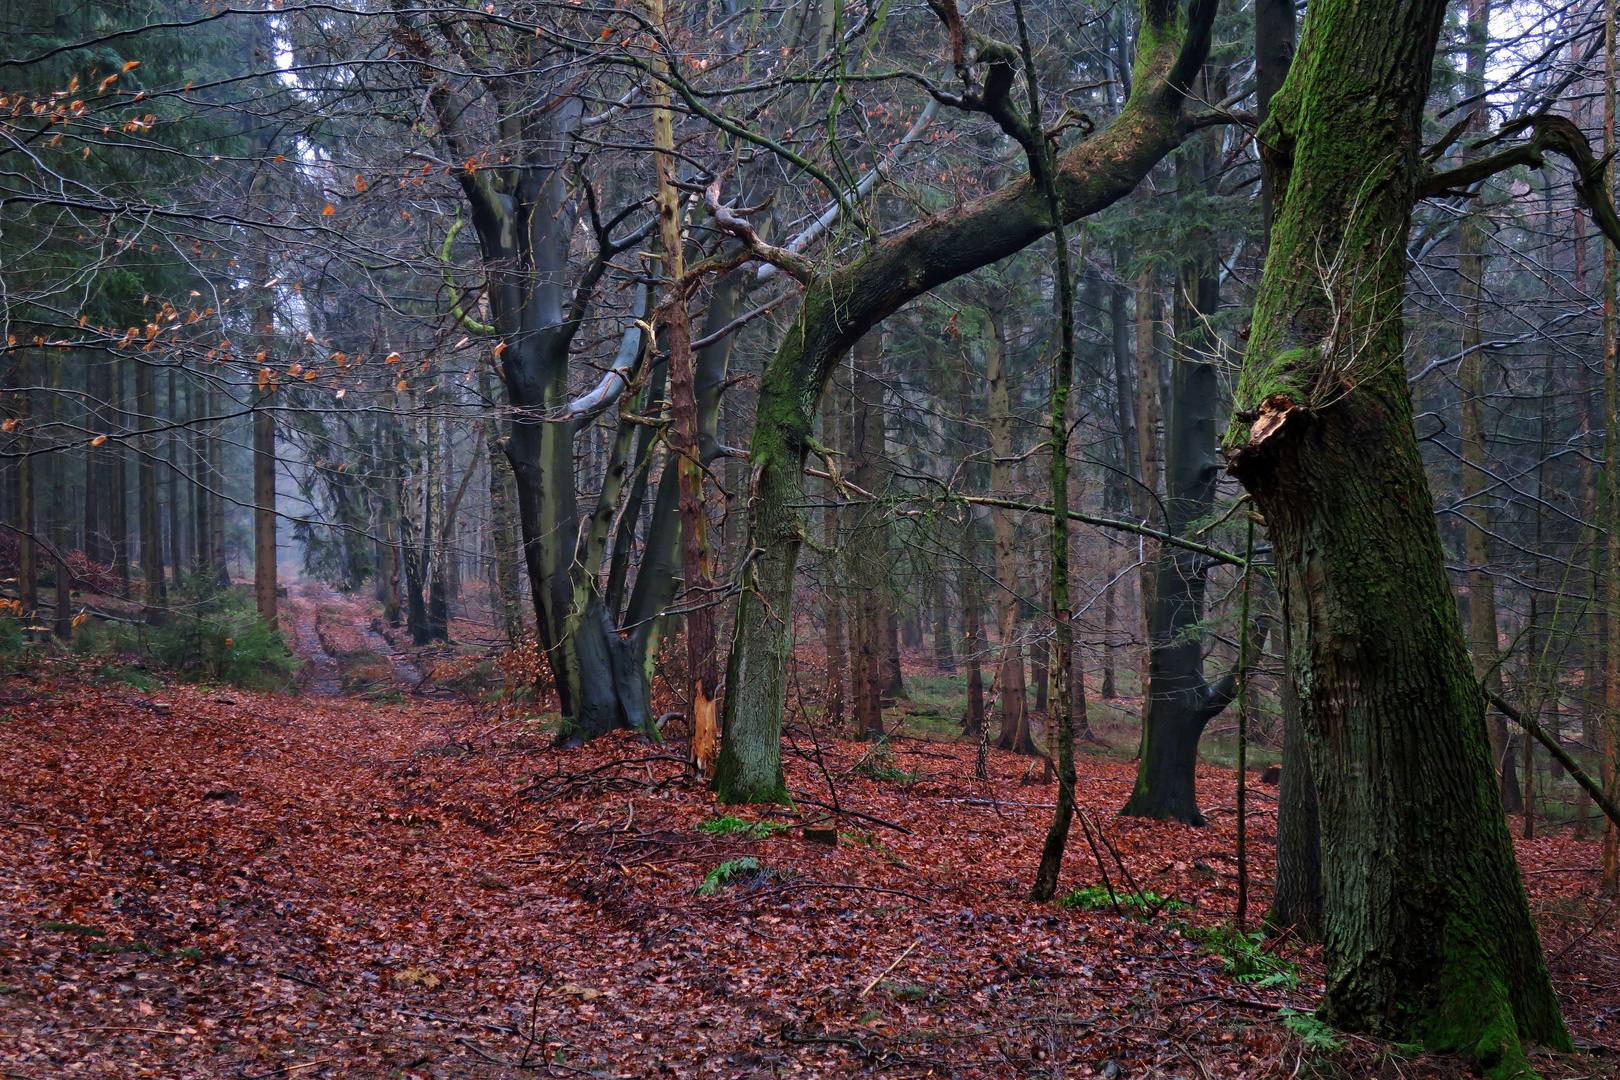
(1177, 701)
(1428, 934)
(838, 309)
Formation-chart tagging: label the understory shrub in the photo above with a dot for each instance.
(209, 636)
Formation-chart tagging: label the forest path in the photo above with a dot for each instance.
(338, 636)
(201, 883)
(321, 673)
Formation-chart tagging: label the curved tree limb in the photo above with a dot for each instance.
(1548, 133)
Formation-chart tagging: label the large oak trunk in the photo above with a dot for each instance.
(1428, 933)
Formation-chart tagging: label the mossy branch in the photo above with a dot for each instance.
(456, 310)
(1548, 133)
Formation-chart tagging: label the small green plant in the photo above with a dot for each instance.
(190, 952)
(1316, 1035)
(1246, 958)
(750, 830)
(73, 928)
(880, 764)
(732, 872)
(1098, 898)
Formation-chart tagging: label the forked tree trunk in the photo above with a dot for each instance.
(838, 309)
(1428, 933)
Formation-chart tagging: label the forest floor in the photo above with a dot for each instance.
(199, 882)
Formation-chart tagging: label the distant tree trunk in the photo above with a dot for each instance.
(1039, 675)
(1014, 733)
(1110, 660)
(435, 545)
(118, 479)
(1177, 701)
(944, 654)
(202, 502)
(1296, 903)
(869, 544)
(1429, 936)
(1124, 489)
(1476, 477)
(219, 558)
(95, 471)
(1146, 492)
(894, 684)
(27, 567)
(502, 514)
(172, 454)
(57, 504)
(832, 423)
(264, 468)
(973, 643)
(1588, 552)
(146, 469)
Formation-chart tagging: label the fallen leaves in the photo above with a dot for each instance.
(303, 885)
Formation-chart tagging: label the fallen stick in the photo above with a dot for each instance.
(888, 969)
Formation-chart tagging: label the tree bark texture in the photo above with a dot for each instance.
(1296, 901)
(1428, 935)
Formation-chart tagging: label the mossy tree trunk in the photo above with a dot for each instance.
(840, 307)
(1428, 933)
